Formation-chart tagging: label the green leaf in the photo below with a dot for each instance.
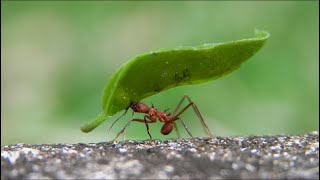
(154, 72)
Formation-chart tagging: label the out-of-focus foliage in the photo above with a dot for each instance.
(56, 58)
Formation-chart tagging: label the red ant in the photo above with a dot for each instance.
(168, 119)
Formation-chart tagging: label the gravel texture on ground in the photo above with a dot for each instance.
(253, 157)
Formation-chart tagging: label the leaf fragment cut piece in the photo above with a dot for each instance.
(154, 72)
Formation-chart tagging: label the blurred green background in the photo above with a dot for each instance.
(56, 58)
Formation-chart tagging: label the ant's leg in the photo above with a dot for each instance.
(125, 112)
(146, 122)
(142, 120)
(124, 129)
(195, 108)
(184, 125)
(176, 128)
(178, 106)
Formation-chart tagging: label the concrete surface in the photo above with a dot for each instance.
(255, 157)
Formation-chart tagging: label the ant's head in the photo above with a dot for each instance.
(140, 108)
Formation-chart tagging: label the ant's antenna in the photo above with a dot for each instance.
(125, 112)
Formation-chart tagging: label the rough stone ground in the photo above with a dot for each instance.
(255, 157)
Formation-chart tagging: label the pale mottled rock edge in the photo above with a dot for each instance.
(257, 157)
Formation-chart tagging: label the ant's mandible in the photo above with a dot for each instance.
(152, 114)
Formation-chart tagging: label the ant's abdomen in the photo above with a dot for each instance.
(166, 128)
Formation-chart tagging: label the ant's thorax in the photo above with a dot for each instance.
(152, 111)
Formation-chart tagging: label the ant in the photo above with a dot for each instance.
(152, 114)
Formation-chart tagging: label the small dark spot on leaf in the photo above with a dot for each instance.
(178, 77)
(186, 73)
(156, 88)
